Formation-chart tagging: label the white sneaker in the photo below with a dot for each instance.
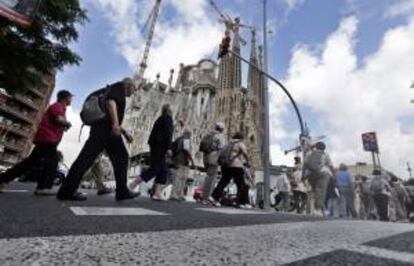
(246, 206)
(214, 202)
(133, 185)
(46, 191)
(3, 187)
(158, 198)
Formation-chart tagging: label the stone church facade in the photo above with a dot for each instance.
(203, 94)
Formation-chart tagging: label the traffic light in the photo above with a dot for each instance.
(224, 46)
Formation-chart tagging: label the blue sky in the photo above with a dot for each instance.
(306, 36)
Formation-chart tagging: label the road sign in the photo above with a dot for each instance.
(369, 142)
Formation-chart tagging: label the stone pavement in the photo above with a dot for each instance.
(44, 231)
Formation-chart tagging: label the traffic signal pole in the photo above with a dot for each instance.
(303, 130)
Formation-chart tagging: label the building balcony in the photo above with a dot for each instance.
(17, 114)
(16, 147)
(27, 102)
(37, 92)
(19, 131)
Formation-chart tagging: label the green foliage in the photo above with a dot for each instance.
(26, 54)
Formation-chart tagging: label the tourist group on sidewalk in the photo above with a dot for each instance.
(314, 186)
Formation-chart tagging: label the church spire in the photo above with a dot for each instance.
(235, 62)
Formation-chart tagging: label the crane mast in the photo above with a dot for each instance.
(152, 21)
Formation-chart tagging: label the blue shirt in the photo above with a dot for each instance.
(343, 179)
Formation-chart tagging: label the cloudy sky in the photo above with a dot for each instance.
(348, 63)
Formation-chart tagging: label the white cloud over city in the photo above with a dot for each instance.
(352, 95)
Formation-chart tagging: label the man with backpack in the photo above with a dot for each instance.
(210, 146)
(47, 138)
(182, 159)
(320, 168)
(105, 135)
(232, 159)
(381, 193)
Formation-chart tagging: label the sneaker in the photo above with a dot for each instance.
(133, 185)
(77, 196)
(157, 198)
(104, 191)
(246, 206)
(46, 191)
(214, 202)
(127, 196)
(3, 187)
(174, 199)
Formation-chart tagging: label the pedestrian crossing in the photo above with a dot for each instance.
(135, 211)
(113, 211)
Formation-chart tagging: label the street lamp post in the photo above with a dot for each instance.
(303, 130)
(266, 140)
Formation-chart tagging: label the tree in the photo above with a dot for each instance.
(27, 54)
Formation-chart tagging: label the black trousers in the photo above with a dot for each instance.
(237, 174)
(300, 198)
(43, 153)
(158, 166)
(100, 139)
(381, 202)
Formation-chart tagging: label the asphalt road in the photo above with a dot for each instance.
(44, 231)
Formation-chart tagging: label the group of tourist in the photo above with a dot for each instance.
(314, 185)
(317, 187)
(106, 136)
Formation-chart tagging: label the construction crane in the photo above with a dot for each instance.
(231, 25)
(151, 21)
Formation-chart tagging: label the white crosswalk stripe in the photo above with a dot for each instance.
(113, 211)
(232, 211)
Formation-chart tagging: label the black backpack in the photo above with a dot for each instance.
(94, 108)
(225, 159)
(207, 143)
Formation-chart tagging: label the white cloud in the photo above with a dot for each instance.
(293, 3)
(402, 7)
(190, 36)
(350, 100)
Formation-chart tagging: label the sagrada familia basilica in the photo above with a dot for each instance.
(203, 94)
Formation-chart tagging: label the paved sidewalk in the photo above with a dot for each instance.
(100, 231)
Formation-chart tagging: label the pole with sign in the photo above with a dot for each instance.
(370, 144)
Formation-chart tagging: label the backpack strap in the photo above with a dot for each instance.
(80, 132)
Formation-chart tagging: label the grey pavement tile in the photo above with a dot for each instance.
(403, 242)
(345, 258)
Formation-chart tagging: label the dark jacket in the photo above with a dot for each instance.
(161, 134)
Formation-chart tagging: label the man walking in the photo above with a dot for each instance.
(48, 136)
(159, 142)
(381, 191)
(182, 158)
(320, 167)
(346, 184)
(105, 134)
(211, 145)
